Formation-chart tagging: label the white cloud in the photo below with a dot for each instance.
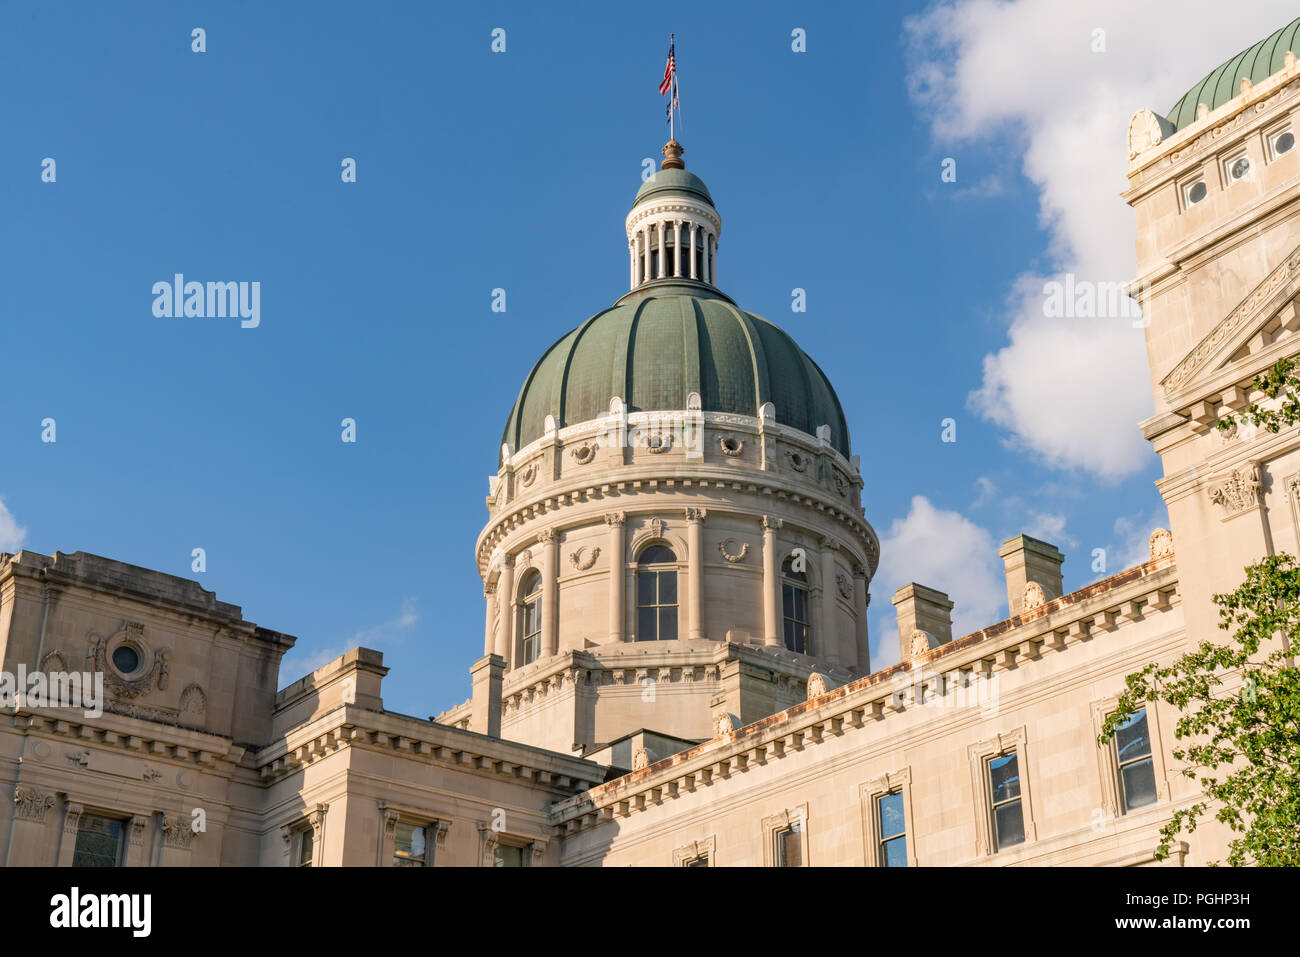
(1132, 545)
(1049, 527)
(12, 535)
(943, 550)
(1022, 75)
(302, 661)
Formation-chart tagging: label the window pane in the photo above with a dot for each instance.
(668, 624)
(787, 600)
(789, 847)
(507, 855)
(305, 842)
(646, 592)
(99, 842)
(801, 604)
(656, 555)
(1010, 825)
(645, 624)
(891, 815)
(667, 588)
(698, 862)
(1131, 739)
(409, 846)
(1139, 784)
(1005, 777)
(895, 852)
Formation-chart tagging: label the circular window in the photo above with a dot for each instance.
(126, 659)
(1196, 193)
(1284, 143)
(1239, 168)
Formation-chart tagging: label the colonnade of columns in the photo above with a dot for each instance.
(830, 643)
(700, 261)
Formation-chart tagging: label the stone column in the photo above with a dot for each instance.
(505, 647)
(704, 259)
(550, 591)
(663, 256)
(771, 584)
(713, 260)
(489, 618)
(694, 270)
(695, 570)
(617, 547)
(828, 643)
(677, 247)
(645, 253)
(631, 255)
(861, 600)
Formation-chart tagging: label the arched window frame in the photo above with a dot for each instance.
(806, 584)
(530, 613)
(659, 569)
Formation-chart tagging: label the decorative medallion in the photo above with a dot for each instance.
(727, 547)
(578, 562)
(816, 685)
(723, 724)
(656, 526)
(841, 485)
(796, 460)
(844, 586)
(640, 759)
(1033, 596)
(529, 474)
(920, 643)
(584, 453)
(731, 445)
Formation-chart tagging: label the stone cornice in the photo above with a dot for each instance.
(644, 479)
(1083, 615)
(127, 734)
(423, 741)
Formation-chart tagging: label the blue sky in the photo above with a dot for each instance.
(478, 170)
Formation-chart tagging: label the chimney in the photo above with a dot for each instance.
(486, 676)
(922, 609)
(1029, 560)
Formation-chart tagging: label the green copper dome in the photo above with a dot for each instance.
(676, 180)
(655, 347)
(1257, 62)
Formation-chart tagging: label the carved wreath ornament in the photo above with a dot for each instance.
(583, 564)
(731, 445)
(658, 444)
(584, 453)
(727, 548)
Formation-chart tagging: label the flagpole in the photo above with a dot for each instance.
(672, 134)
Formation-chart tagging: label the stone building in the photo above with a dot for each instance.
(677, 569)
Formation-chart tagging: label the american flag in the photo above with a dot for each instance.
(670, 69)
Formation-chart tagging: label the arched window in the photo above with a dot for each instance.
(530, 617)
(794, 607)
(656, 594)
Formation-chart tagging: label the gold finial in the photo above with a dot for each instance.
(673, 156)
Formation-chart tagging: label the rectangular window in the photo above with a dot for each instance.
(410, 848)
(306, 841)
(789, 847)
(697, 862)
(893, 830)
(1137, 776)
(101, 842)
(1004, 789)
(508, 855)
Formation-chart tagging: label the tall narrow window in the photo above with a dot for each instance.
(100, 842)
(794, 605)
(306, 846)
(1137, 776)
(789, 846)
(1004, 788)
(893, 830)
(656, 594)
(509, 855)
(530, 617)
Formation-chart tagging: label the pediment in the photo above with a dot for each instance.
(1234, 349)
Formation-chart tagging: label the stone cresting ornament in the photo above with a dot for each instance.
(1238, 491)
(1143, 133)
(920, 643)
(640, 759)
(1034, 596)
(816, 686)
(731, 445)
(726, 548)
(1162, 543)
(724, 724)
(579, 563)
